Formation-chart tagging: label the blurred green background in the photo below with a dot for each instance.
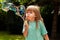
(49, 10)
(7, 36)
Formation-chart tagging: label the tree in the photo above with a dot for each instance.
(54, 26)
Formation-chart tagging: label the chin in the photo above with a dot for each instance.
(28, 18)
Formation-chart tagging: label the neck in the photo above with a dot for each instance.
(32, 20)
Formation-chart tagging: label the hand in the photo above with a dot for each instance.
(26, 24)
(26, 28)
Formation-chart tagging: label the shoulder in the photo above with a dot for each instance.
(40, 21)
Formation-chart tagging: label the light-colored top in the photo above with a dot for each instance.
(36, 33)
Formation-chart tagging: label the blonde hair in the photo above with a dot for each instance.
(36, 10)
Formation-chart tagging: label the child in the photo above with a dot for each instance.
(34, 28)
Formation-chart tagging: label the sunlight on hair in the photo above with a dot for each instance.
(34, 6)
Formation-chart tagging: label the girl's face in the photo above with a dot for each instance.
(30, 15)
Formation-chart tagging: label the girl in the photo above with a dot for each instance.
(34, 28)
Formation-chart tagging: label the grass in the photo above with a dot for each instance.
(6, 36)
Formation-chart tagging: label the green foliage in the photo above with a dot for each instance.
(24, 1)
(6, 36)
(27, 1)
(2, 12)
(47, 9)
(0, 5)
(2, 1)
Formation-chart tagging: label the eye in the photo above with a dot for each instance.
(31, 12)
